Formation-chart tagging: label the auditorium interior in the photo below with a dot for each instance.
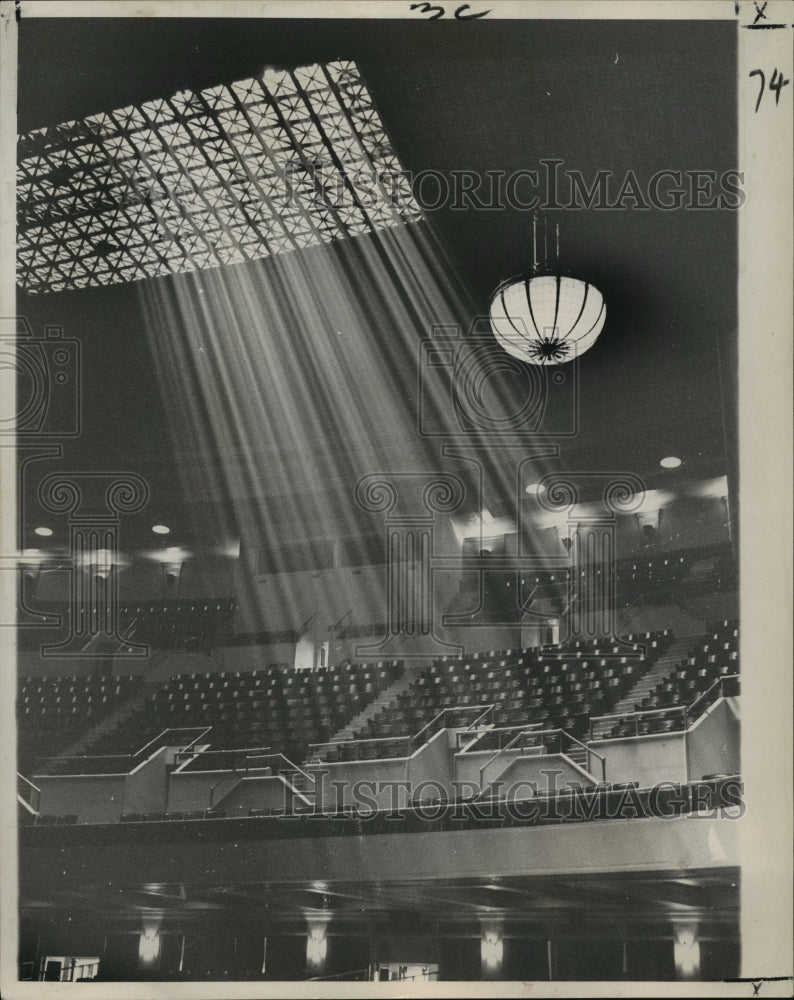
(351, 647)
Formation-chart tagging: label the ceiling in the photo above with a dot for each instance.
(481, 96)
(602, 902)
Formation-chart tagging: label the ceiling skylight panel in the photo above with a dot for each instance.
(266, 165)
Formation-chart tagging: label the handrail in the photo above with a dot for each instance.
(499, 752)
(436, 718)
(449, 709)
(87, 756)
(321, 748)
(201, 730)
(246, 753)
(424, 734)
(589, 751)
(34, 796)
(526, 731)
(520, 735)
(644, 711)
(21, 777)
(133, 760)
(415, 738)
(470, 737)
(83, 759)
(368, 739)
(467, 734)
(489, 709)
(290, 765)
(338, 975)
(717, 684)
(684, 710)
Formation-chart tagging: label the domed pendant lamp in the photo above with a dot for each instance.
(547, 318)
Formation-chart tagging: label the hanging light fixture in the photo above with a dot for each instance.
(547, 318)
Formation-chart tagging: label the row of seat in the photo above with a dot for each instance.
(549, 686)
(53, 712)
(688, 680)
(710, 568)
(282, 709)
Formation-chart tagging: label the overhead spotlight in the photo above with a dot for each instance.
(670, 462)
(535, 489)
(42, 531)
(161, 529)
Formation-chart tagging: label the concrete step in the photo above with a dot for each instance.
(662, 669)
(578, 755)
(383, 700)
(106, 725)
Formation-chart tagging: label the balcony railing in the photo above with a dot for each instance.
(28, 792)
(243, 759)
(679, 716)
(467, 717)
(529, 741)
(121, 763)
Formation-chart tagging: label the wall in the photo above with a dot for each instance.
(286, 600)
(190, 790)
(645, 759)
(94, 798)
(692, 523)
(432, 763)
(206, 575)
(566, 849)
(265, 791)
(305, 654)
(233, 658)
(146, 789)
(467, 765)
(713, 741)
(548, 772)
(348, 774)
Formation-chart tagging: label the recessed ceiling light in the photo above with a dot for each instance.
(535, 489)
(161, 529)
(670, 462)
(42, 532)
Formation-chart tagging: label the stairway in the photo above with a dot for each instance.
(578, 755)
(304, 785)
(660, 671)
(383, 700)
(163, 665)
(121, 714)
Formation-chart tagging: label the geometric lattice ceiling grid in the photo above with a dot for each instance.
(228, 174)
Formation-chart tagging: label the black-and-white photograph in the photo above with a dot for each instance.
(382, 548)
